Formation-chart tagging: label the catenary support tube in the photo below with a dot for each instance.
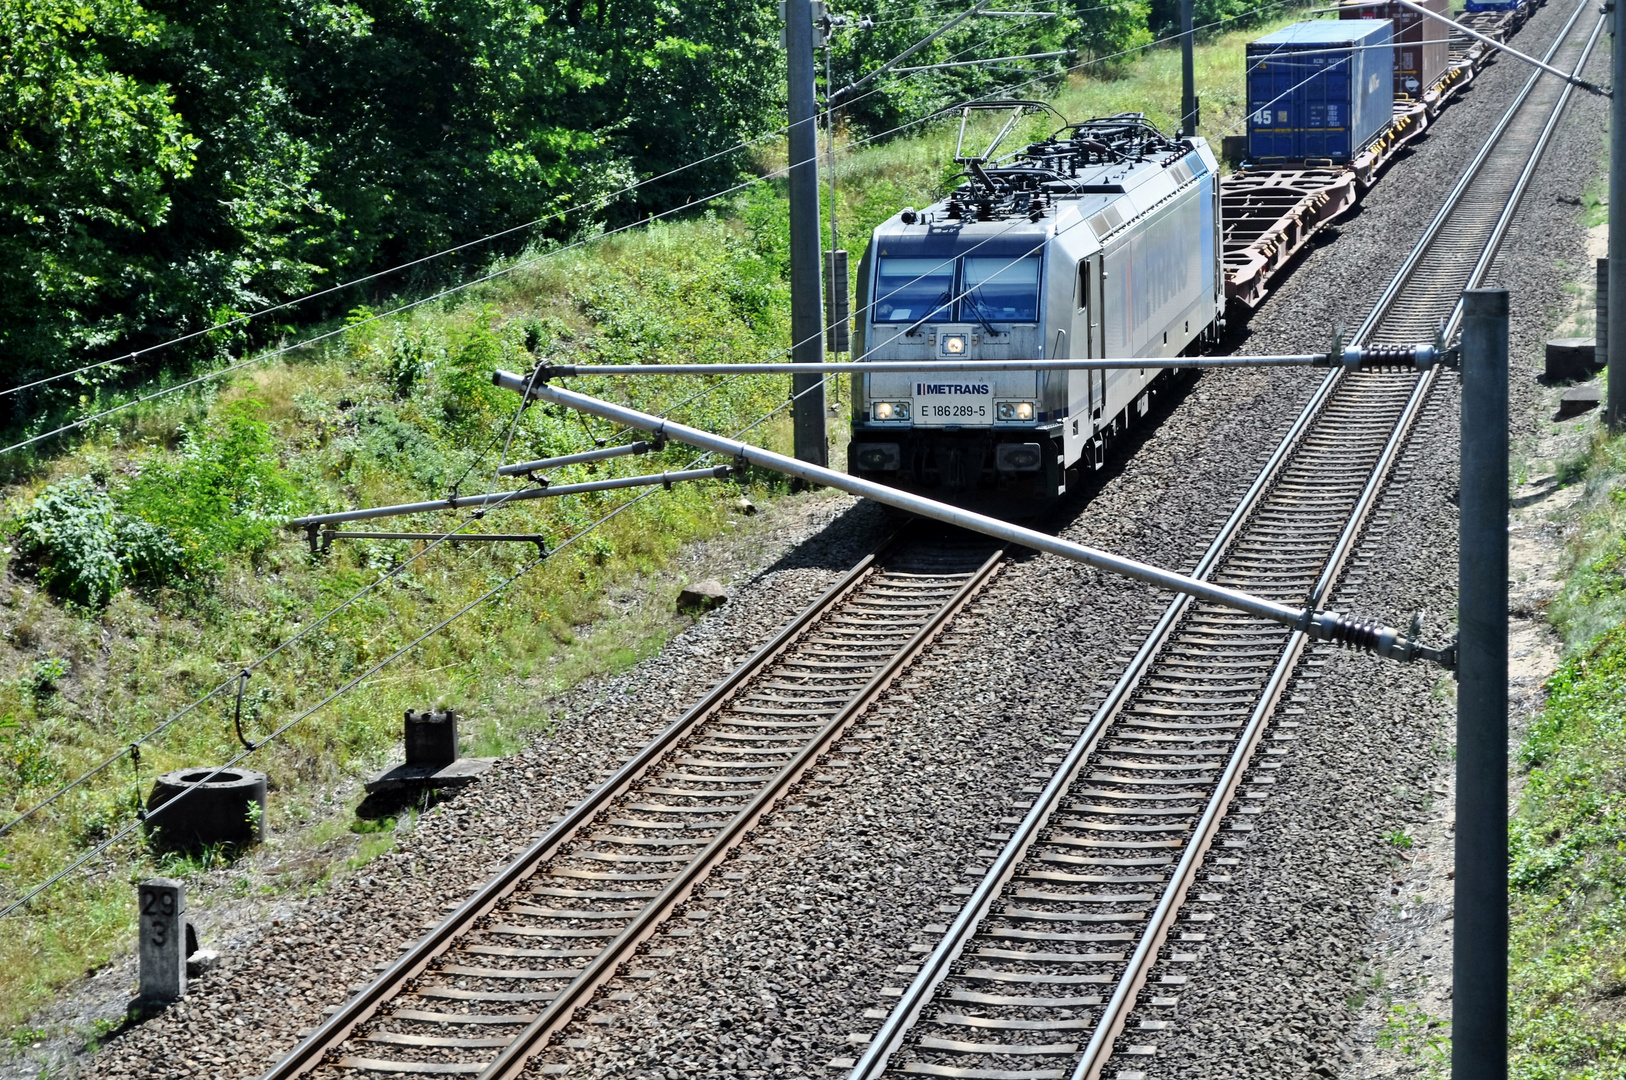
(458, 502)
(1323, 625)
(1418, 356)
(520, 468)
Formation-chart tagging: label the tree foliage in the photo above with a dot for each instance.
(89, 156)
(166, 163)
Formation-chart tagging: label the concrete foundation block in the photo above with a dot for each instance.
(1569, 359)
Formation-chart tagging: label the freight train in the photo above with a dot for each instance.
(1113, 239)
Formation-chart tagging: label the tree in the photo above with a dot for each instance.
(88, 161)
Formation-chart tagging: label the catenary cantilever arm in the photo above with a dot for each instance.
(1323, 625)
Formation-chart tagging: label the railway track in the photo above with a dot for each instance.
(1067, 959)
(511, 965)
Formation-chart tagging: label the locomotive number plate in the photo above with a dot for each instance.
(940, 404)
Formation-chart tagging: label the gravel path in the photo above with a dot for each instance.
(783, 965)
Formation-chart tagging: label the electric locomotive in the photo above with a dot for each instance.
(1101, 241)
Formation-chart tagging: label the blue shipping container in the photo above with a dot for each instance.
(1320, 89)
(1494, 5)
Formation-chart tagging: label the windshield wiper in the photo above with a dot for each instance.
(937, 305)
(976, 309)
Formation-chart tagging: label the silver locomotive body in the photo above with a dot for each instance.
(1103, 241)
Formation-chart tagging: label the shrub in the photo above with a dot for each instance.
(70, 536)
(222, 494)
(174, 525)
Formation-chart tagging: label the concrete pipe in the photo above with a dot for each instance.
(186, 814)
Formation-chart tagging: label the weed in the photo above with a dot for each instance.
(45, 676)
(366, 826)
(1411, 1031)
(69, 538)
(97, 1033)
(1398, 839)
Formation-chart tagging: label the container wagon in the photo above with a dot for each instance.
(1103, 240)
(1476, 6)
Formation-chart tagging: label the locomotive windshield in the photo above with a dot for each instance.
(913, 290)
(1001, 289)
(992, 288)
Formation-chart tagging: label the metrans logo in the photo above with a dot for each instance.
(927, 388)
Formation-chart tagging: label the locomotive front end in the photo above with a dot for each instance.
(961, 292)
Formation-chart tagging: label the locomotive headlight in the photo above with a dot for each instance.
(891, 410)
(1013, 411)
(953, 344)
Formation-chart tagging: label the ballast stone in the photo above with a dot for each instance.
(704, 596)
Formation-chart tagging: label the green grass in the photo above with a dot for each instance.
(1568, 833)
(396, 413)
(397, 410)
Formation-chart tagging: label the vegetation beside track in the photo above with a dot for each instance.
(147, 564)
(1568, 831)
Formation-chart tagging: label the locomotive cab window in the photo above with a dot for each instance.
(1083, 285)
(1001, 289)
(913, 290)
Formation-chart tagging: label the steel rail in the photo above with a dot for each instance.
(510, 1062)
(947, 952)
(1117, 1012)
(310, 1052)
(1391, 292)
(1488, 256)
(1161, 922)
(902, 1018)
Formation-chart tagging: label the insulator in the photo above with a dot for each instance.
(1357, 634)
(1388, 356)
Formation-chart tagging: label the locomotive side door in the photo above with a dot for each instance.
(1092, 279)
